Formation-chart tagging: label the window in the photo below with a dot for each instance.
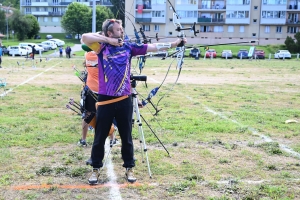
(187, 14)
(230, 29)
(37, 9)
(242, 29)
(170, 33)
(158, 14)
(267, 29)
(218, 29)
(255, 7)
(278, 29)
(55, 19)
(205, 29)
(146, 27)
(274, 14)
(158, 2)
(193, 2)
(254, 20)
(156, 28)
(237, 14)
(45, 9)
(45, 19)
(253, 34)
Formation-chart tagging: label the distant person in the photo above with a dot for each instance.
(60, 52)
(32, 51)
(68, 52)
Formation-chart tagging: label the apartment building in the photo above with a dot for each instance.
(49, 12)
(218, 21)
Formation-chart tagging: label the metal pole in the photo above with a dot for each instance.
(94, 17)
(7, 23)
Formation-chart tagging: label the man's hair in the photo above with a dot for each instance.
(108, 25)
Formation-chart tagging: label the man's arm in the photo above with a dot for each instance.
(90, 38)
(164, 46)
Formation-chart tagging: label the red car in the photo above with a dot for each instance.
(260, 54)
(211, 52)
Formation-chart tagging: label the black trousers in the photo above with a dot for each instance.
(122, 112)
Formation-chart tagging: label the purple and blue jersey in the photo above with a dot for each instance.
(114, 67)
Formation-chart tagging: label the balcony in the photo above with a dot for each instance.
(56, 13)
(290, 21)
(211, 20)
(144, 6)
(138, 20)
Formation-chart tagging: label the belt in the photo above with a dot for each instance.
(101, 103)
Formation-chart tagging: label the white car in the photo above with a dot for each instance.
(58, 42)
(50, 43)
(283, 54)
(18, 50)
(45, 46)
(37, 48)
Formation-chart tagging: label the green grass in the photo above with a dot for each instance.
(206, 124)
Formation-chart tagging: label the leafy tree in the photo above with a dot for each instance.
(20, 25)
(102, 13)
(2, 22)
(297, 37)
(290, 44)
(119, 9)
(12, 3)
(34, 26)
(77, 19)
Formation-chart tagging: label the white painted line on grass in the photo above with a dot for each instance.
(114, 192)
(10, 90)
(253, 130)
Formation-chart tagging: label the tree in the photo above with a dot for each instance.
(297, 37)
(34, 26)
(102, 13)
(20, 25)
(119, 9)
(290, 44)
(77, 19)
(2, 22)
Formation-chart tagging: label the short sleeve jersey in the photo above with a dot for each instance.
(114, 68)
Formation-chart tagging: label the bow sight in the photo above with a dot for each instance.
(138, 78)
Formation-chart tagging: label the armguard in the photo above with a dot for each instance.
(162, 45)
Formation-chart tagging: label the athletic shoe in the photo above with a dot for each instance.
(129, 175)
(93, 180)
(82, 143)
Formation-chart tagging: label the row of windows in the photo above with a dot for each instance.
(273, 14)
(230, 29)
(237, 14)
(46, 19)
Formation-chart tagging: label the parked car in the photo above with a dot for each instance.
(46, 47)
(260, 54)
(37, 48)
(68, 36)
(58, 42)
(211, 52)
(242, 53)
(5, 50)
(226, 53)
(37, 37)
(49, 37)
(50, 43)
(283, 54)
(18, 50)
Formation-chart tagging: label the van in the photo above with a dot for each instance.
(50, 43)
(17, 50)
(37, 47)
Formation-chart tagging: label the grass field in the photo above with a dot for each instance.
(224, 124)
